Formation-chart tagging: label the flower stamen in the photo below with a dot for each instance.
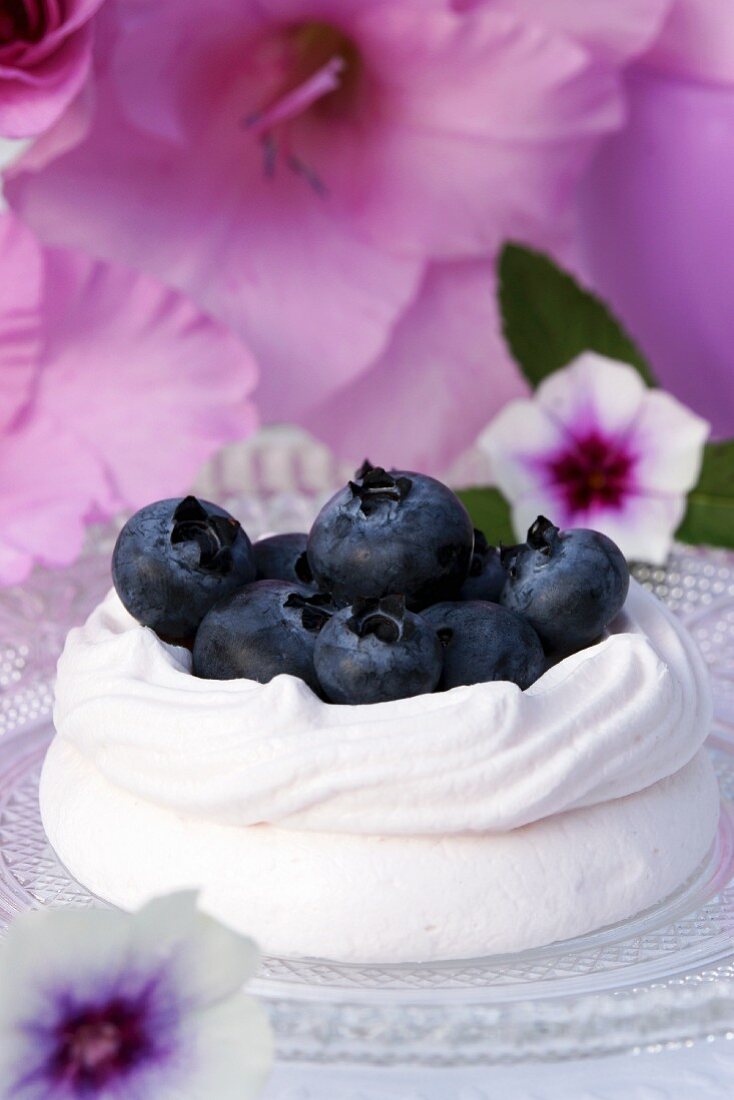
(319, 68)
(97, 1045)
(295, 102)
(92, 1045)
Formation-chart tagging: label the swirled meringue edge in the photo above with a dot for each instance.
(602, 724)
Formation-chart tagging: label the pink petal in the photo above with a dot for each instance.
(697, 42)
(48, 486)
(70, 130)
(491, 123)
(15, 565)
(20, 321)
(444, 373)
(316, 303)
(270, 258)
(452, 197)
(340, 11)
(665, 183)
(113, 391)
(41, 58)
(485, 74)
(414, 173)
(479, 129)
(616, 31)
(72, 15)
(32, 99)
(169, 91)
(170, 385)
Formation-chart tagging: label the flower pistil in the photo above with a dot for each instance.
(594, 469)
(320, 69)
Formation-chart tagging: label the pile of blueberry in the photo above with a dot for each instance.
(391, 594)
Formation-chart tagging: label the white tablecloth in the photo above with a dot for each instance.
(702, 1072)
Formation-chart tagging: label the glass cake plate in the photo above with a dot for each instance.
(664, 978)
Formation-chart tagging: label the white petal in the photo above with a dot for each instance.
(93, 954)
(232, 1051)
(643, 526)
(48, 954)
(669, 439)
(87, 950)
(223, 1052)
(52, 950)
(208, 960)
(643, 529)
(223, 1040)
(593, 393)
(543, 502)
(518, 442)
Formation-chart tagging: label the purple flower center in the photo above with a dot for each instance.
(100, 1045)
(594, 470)
(22, 19)
(97, 1045)
(315, 70)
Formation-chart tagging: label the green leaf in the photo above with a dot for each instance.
(490, 512)
(548, 319)
(710, 515)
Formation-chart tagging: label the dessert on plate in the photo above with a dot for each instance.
(384, 741)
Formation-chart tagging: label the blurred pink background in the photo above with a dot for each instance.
(656, 224)
(300, 204)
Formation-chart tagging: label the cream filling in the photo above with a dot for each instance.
(602, 724)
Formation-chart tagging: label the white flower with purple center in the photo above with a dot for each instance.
(594, 447)
(105, 1005)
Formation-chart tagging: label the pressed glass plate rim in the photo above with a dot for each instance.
(462, 1027)
(682, 997)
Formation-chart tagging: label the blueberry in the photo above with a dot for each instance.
(376, 651)
(483, 641)
(391, 532)
(267, 628)
(568, 584)
(174, 559)
(487, 574)
(283, 558)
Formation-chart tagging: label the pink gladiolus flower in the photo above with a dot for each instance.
(596, 448)
(113, 391)
(45, 53)
(331, 177)
(656, 228)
